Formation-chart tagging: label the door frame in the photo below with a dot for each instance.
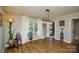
(73, 29)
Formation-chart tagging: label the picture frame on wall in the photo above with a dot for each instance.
(62, 23)
(1, 19)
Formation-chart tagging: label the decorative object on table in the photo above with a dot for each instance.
(1, 20)
(62, 23)
(61, 36)
(11, 33)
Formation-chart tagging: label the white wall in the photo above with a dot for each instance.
(40, 29)
(67, 28)
(24, 29)
(2, 33)
(66, 31)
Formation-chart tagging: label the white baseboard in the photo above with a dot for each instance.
(67, 41)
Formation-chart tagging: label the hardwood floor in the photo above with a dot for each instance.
(43, 46)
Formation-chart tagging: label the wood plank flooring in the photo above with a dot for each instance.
(43, 46)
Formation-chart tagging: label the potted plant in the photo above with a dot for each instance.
(11, 39)
(11, 33)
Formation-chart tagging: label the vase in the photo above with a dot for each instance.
(11, 42)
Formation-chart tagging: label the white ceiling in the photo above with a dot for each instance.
(39, 11)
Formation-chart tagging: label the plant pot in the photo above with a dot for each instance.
(11, 42)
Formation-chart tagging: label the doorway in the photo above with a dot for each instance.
(75, 29)
(52, 29)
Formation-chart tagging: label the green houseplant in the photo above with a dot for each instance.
(11, 33)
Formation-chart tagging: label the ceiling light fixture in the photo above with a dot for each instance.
(47, 15)
(47, 18)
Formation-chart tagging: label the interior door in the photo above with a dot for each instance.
(76, 28)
